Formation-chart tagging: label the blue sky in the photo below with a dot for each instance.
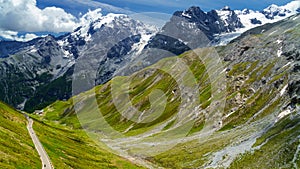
(169, 6)
(163, 6)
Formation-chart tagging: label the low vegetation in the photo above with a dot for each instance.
(68, 148)
(16, 147)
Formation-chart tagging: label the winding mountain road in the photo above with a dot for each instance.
(39, 147)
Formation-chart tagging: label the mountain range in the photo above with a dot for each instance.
(39, 71)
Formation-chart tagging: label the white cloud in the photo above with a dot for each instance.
(27, 37)
(12, 35)
(90, 16)
(24, 15)
(8, 34)
(105, 7)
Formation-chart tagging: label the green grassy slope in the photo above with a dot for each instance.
(140, 88)
(68, 148)
(16, 147)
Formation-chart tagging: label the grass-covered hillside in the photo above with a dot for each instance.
(66, 148)
(16, 147)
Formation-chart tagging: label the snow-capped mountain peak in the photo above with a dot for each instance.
(93, 21)
(251, 19)
(108, 20)
(94, 25)
(226, 8)
(225, 14)
(111, 20)
(245, 11)
(273, 10)
(90, 17)
(272, 13)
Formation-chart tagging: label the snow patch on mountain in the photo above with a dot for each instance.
(95, 20)
(225, 14)
(279, 52)
(283, 114)
(293, 6)
(108, 20)
(186, 15)
(283, 90)
(138, 47)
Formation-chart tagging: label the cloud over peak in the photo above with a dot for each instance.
(24, 15)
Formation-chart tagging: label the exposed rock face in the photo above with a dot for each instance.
(213, 22)
(255, 21)
(294, 85)
(194, 28)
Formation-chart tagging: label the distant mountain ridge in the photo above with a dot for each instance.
(273, 13)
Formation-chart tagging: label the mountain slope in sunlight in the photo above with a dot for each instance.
(16, 147)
